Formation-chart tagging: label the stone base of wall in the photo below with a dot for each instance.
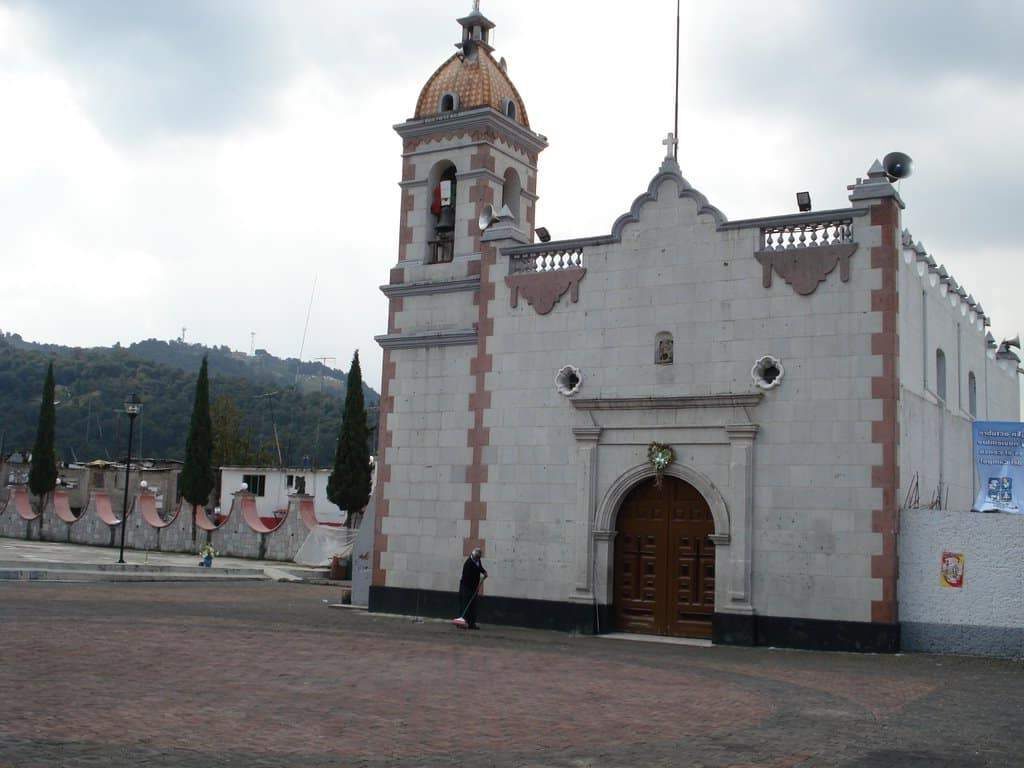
(513, 611)
(805, 634)
(1007, 642)
(727, 628)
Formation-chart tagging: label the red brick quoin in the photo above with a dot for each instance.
(384, 441)
(478, 437)
(886, 476)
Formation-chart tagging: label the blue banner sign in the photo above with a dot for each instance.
(999, 462)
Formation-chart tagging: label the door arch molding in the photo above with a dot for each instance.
(608, 509)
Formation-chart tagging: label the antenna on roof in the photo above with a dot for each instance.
(675, 149)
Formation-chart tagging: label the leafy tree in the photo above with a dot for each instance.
(349, 484)
(197, 476)
(42, 475)
(90, 384)
(233, 443)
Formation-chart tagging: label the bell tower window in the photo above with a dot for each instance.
(448, 103)
(510, 109)
(441, 248)
(511, 191)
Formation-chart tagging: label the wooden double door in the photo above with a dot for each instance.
(665, 561)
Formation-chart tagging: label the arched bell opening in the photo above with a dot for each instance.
(442, 184)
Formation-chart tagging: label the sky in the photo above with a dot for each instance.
(202, 164)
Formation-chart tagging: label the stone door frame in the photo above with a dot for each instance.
(731, 506)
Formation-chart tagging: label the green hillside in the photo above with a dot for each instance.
(92, 384)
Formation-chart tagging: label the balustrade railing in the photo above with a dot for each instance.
(807, 235)
(546, 261)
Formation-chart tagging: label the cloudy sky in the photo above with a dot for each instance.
(199, 163)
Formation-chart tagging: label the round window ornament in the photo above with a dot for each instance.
(568, 380)
(767, 372)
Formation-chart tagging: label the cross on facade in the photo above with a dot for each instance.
(670, 143)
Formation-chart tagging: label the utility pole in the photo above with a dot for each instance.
(182, 339)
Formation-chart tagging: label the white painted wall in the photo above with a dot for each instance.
(987, 615)
(277, 491)
(935, 437)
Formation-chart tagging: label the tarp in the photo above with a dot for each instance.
(999, 464)
(323, 543)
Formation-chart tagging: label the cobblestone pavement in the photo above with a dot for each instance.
(266, 675)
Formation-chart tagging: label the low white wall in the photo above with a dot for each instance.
(986, 616)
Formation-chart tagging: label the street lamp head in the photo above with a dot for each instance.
(132, 404)
(143, 485)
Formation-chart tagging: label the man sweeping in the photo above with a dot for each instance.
(472, 571)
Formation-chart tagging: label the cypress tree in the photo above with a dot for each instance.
(42, 475)
(197, 476)
(349, 484)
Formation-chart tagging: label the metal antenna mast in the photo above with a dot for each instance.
(675, 149)
(305, 330)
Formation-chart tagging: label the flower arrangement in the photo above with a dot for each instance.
(660, 456)
(206, 552)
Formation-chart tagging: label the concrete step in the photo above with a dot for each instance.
(85, 574)
(128, 568)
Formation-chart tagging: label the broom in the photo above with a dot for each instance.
(461, 622)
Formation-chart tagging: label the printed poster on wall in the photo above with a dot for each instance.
(999, 464)
(951, 570)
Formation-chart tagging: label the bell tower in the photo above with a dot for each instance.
(468, 145)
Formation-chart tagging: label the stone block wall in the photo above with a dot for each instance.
(233, 539)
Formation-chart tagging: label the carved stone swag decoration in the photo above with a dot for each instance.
(805, 254)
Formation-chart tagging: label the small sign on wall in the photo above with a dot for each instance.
(951, 570)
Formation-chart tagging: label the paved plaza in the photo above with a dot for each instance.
(265, 674)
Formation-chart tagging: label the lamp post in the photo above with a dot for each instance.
(132, 406)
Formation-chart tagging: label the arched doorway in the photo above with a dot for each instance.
(664, 561)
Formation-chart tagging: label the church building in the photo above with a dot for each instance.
(683, 426)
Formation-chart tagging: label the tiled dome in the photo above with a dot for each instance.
(474, 78)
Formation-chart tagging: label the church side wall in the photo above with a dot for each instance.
(935, 433)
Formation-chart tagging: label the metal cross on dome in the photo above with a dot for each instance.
(670, 143)
(476, 6)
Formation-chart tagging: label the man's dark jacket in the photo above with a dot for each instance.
(471, 573)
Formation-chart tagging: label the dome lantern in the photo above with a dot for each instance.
(476, 32)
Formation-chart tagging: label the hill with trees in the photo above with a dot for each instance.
(249, 395)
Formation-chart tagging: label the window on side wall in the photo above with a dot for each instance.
(972, 395)
(940, 374)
